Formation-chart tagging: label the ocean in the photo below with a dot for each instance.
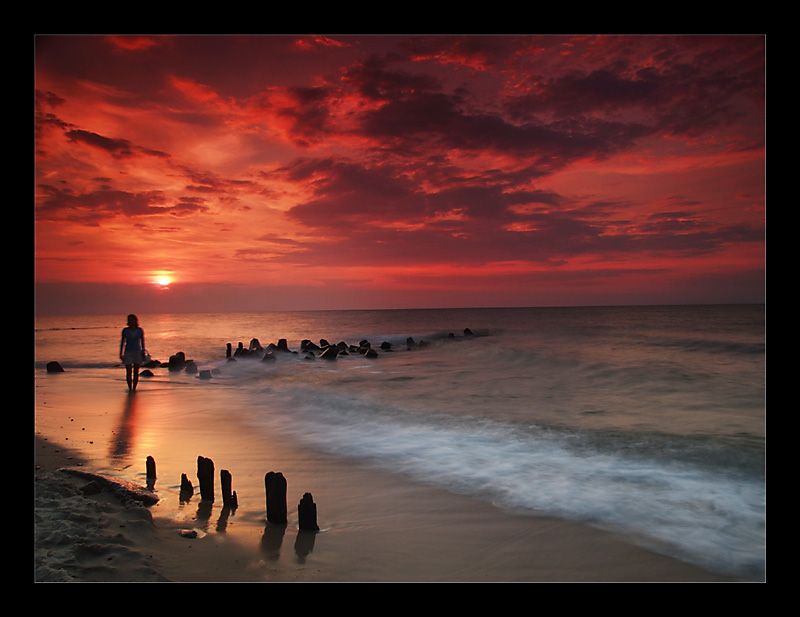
(649, 421)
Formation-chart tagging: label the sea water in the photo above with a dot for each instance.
(647, 421)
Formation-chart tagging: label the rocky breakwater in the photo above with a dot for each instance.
(309, 350)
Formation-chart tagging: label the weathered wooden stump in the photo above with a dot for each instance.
(205, 476)
(307, 513)
(187, 490)
(150, 465)
(228, 498)
(275, 485)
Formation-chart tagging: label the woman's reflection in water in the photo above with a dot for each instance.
(123, 438)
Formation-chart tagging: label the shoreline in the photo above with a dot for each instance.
(96, 538)
(390, 500)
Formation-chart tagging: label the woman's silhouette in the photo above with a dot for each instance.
(132, 350)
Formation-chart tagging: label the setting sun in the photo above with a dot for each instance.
(163, 281)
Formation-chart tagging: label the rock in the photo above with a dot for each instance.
(54, 367)
(205, 374)
(330, 353)
(371, 353)
(177, 361)
(146, 373)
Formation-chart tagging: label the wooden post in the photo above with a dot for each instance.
(275, 485)
(228, 498)
(228, 351)
(151, 468)
(187, 490)
(307, 513)
(205, 475)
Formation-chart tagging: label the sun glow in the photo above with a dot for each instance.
(163, 281)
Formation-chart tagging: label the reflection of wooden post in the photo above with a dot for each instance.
(228, 498)
(307, 513)
(205, 475)
(275, 485)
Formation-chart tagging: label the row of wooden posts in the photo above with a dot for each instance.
(274, 483)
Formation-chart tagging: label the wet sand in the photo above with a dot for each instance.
(374, 526)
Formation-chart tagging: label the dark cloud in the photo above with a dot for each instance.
(118, 148)
(461, 151)
(94, 206)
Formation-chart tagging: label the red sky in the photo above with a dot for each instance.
(303, 172)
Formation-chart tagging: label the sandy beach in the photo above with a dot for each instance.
(375, 527)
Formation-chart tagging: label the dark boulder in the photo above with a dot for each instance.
(255, 345)
(54, 367)
(177, 361)
(330, 353)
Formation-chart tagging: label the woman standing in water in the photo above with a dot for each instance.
(131, 350)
